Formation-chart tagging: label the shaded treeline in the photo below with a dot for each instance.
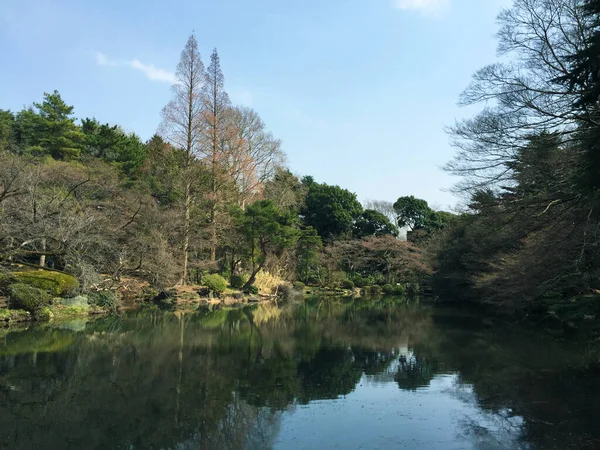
(209, 192)
(529, 165)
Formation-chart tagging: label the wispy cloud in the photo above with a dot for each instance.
(426, 6)
(102, 60)
(151, 71)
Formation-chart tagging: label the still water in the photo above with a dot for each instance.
(343, 374)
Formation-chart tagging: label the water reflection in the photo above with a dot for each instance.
(325, 374)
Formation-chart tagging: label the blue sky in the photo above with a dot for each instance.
(358, 90)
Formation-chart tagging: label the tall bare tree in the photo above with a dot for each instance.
(182, 127)
(216, 133)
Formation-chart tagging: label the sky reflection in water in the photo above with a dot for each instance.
(346, 374)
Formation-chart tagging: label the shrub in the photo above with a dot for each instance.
(55, 283)
(336, 278)
(413, 289)
(103, 299)
(27, 297)
(347, 284)
(388, 289)
(6, 279)
(237, 281)
(361, 282)
(165, 300)
(215, 282)
(149, 292)
(286, 291)
(44, 314)
(299, 285)
(225, 272)
(399, 290)
(267, 283)
(375, 290)
(252, 290)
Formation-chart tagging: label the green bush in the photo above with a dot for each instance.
(252, 290)
(237, 281)
(347, 284)
(226, 273)
(215, 282)
(103, 299)
(54, 283)
(375, 290)
(381, 280)
(6, 279)
(149, 292)
(361, 282)
(44, 314)
(27, 297)
(299, 285)
(399, 290)
(413, 289)
(388, 289)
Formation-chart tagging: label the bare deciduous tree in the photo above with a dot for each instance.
(522, 93)
(182, 127)
(215, 134)
(384, 207)
(255, 154)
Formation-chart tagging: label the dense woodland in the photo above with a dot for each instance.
(529, 164)
(210, 192)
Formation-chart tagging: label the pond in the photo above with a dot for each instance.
(325, 374)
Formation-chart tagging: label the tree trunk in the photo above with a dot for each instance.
(252, 278)
(233, 263)
(43, 255)
(213, 233)
(186, 234)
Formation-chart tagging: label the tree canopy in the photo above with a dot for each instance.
(411, 212)
(373, 223)
(51, 129)
(266, 230)
(331, 210)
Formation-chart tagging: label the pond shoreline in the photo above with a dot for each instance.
(575, 325)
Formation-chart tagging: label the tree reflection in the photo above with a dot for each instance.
(221, 379)
(415, 372)
(216, 379)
